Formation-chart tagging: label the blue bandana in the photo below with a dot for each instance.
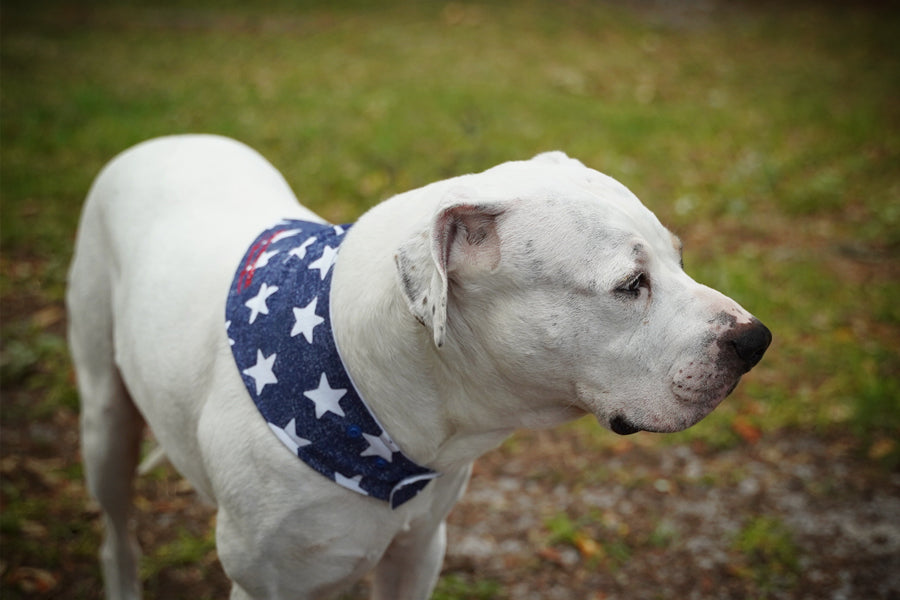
(279, 326)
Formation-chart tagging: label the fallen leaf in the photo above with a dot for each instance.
(34, 581)
(33, 529)
(587, 546)
(8, 464)
(747, 431)
(621, 446)
(882, 448)
(46, 317)
(47, 469)
(552, 555)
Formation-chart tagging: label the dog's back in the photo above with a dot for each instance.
(149, 259)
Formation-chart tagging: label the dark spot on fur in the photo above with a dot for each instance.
(723, 318)
(408, 284)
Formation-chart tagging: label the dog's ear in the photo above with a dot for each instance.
(462, 236)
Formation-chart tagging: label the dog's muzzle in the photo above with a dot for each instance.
(732, 354)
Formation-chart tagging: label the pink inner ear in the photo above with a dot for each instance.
(466, 236)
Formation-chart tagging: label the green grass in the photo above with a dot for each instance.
(187, 549)
(769, 555)
(454, 587)
(767, 137)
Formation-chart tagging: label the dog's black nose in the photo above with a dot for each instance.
(750, 343)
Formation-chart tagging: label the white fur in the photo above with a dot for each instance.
(464, 310)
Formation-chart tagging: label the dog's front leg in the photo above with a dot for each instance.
(410, 568)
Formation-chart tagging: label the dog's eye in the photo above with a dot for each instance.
(633, 286)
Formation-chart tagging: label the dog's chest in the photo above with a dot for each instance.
(279, 326)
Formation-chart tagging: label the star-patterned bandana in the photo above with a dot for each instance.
(279, 326)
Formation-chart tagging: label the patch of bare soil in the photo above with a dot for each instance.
(791, 516)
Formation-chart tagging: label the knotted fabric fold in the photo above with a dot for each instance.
(278, 323)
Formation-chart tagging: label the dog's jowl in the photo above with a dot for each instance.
(328, 387)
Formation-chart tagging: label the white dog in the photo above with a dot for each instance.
(523, 296)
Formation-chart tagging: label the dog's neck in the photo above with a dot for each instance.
(444, 407)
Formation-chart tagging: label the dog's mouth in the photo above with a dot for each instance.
(684, 412)
(623, 426)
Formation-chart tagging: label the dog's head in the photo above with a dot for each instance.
(556, 280)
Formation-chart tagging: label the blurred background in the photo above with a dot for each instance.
(765, 134)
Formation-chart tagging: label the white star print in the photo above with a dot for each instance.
(284, 234)
(263, 260)
(326, 398)
(324, 263)
(300, 251)
(352, 483)
(261, 372)
(257, 304)
(227, 327)
(338, 229)
(377, 447)
(306, 320)
(288, 435)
